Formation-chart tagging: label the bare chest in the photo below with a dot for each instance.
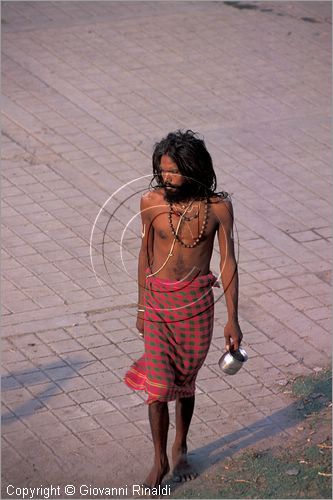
(189, 231)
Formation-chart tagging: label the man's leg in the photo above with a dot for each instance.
(182, 471)
(159, 424)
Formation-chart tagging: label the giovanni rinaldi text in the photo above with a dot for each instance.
(89, 491)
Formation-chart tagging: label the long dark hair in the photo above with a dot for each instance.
(194, 162)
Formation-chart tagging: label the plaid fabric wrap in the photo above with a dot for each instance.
(179, 319)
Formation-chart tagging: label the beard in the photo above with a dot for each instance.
(177, 194)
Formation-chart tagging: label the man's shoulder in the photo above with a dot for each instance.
(221, 205)
(152, 198)
(220, 199)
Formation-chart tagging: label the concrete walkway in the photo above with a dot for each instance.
(88, 88)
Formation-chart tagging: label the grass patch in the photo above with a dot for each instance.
(314, 392)
(261, 475)
(299, 467)
(312, 385)
(304, 473)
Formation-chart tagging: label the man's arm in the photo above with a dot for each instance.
(146, 251)
(229, 273)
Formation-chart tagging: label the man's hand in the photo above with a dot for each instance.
(233, 335)
(140, 324)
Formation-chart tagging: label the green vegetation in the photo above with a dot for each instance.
(262, 475)
(295, 469)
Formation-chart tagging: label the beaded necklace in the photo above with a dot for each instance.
(184, 217)
(170, 254)
(201, 232)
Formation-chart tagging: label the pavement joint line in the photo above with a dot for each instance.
(53, 169)
(28, 69)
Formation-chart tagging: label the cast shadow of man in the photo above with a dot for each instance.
(268, 427)
(49, 380)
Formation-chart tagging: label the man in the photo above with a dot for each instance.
(180, 218)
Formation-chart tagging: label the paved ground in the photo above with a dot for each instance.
(88, 87)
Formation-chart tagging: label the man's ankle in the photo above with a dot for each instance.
(161, 461)
(181, 446)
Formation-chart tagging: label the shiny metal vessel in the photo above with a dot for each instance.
(232, 361)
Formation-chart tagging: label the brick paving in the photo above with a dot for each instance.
(88, 88)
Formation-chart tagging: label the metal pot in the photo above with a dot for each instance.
(232, 361)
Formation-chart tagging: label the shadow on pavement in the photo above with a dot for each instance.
(312, 395)
(53, 376)
(308, 402)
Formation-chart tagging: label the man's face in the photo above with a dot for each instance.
(171, 176)
(175, 185)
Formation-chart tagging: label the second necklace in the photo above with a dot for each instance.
(201, 232)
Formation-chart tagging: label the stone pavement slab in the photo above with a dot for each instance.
(88, 87)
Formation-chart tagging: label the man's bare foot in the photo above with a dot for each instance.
(182, 470)
(156, 475)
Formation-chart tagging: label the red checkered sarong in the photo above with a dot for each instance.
(178, 327)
